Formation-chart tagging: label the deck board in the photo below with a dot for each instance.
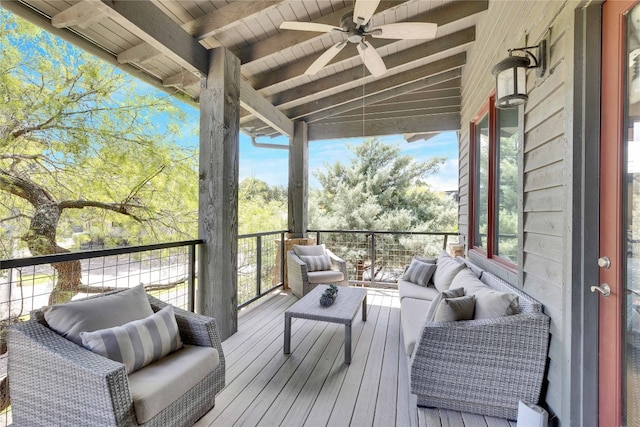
(312, 386)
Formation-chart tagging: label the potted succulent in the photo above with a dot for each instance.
(329, 295)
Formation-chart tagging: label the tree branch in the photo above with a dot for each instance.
(121, 208)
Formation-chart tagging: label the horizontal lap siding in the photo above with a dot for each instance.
(545, 157)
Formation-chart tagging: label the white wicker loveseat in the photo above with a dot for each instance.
(54, 381)
(484, 366)
(303, 274)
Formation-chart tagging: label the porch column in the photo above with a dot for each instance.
(218, 191)
(298, 181)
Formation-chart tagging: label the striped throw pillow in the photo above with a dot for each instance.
(317, 262)
(419, 272)
(139, 343)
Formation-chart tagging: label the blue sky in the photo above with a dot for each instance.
(271, 165)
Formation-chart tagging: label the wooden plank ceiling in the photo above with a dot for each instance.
(166, 43)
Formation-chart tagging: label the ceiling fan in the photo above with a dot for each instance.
(356, 26)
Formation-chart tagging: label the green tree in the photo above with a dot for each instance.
(382, 190)
(82, 142)
(261, 207)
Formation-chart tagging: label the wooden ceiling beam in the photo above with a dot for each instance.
(404, 107)
(419, 96)
(227, 17)
(357, 119)
(255, 103)
(348, 76)
(149, 23)
(385, 88)
(289, 38)
(442, 16)
(82, 14)
(393, 126)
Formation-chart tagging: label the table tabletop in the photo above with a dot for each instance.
(343, 309)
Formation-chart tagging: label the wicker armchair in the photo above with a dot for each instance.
(302, 281)
(483, 366)
(53, 381)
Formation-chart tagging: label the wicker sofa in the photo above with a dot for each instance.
(54, 381)
(484, 366)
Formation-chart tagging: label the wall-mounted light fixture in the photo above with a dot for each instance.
(511, 74)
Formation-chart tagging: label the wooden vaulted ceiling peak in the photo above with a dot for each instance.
(165, 42)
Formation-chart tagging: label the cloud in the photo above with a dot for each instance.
(447, 178)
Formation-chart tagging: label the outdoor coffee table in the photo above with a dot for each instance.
(343, 311)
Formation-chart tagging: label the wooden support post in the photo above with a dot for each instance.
(218, 191)
(298, 181)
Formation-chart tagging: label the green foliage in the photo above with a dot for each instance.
(261, 207)
(380, 189)
(79, 134)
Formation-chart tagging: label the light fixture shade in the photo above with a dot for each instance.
(511, 81)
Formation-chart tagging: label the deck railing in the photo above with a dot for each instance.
(378, 258)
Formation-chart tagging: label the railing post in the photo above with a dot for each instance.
(258, 263)
(373, 258)
(446, 240)
(318, 238)
(191, 278)
(283, 256)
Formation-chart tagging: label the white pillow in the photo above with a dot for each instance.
(490, 303)
(446, 270)
(317, 262)
(137, 344)
(72, 318)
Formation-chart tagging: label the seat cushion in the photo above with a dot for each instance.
(69, 319)
(137, 344)
(408, 289)
(412, 315)
(326, 276)
(158, 385)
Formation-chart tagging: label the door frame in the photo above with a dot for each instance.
(611, 335)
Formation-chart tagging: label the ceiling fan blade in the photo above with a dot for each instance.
(371, 59)
(364, 10)
(324, 59)
(309, 26)
(405, 31)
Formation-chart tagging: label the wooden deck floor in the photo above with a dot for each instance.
(312, 386)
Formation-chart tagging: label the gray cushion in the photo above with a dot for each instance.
(408, 289)
(139, 343)
(419, 272)
(302, 250)
(450, 293)
(489, 302)
(446, 270)
(69, 319)
(425, 259)
(454, 309)
(317, 262)
(412, 314)
(326, 276)
(158, 385)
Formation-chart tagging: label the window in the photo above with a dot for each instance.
(494, 173)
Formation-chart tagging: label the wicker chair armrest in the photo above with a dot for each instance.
(49, 373)
(488, 361)
(339, 264)
(297, 274)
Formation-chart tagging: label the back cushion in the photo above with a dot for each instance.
(312, 250)
(446, 270)
(489, 302)
(72, 318)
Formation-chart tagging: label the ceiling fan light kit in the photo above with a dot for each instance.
(356, 26)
